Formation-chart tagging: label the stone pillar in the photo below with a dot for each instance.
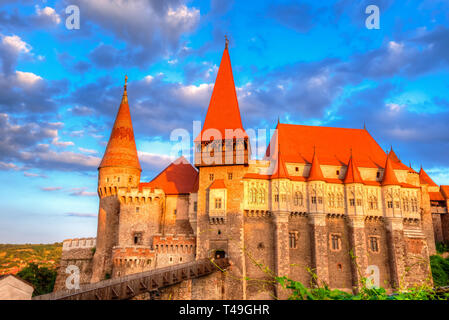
(357, 242)
(396, 250)
(319, 244)
(427, 222)
(281, 250)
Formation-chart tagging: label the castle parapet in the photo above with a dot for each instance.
(139, 195)
(78, 243)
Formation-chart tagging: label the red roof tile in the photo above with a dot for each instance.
(445, 191)
(281, 171)
(223, 112)
(425, 179)
(121, 149)
(436, 196)
(315, 173)
(333, 145)
(389, 175)
(218, 184)
(352, 173)
(180, 177)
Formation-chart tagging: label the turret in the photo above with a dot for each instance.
(222, 140)
(120, 164)
(119, 168)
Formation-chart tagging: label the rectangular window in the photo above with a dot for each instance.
(195, 206)
(374, 244)
(320, 200)
(293, 237)
(217, 203)
(390, 204)
(137, 237)
(314, 200)
(359, 202)
(174, 212)
(352, 202)
(335, 242)
(211, 176)
(276, 198)
(137, 209)
(230, 176)
(283, 197)
(397, 204)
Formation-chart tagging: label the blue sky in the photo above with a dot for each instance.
(306, 62)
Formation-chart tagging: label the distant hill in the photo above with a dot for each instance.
(14, 257)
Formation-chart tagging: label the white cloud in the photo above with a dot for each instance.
(63, 144)
(91, 151)
(16, 44)
(27, 79)
(49, 14)
(51, 188)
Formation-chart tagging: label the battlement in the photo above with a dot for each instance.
(174, 243)
(139, 195)
(78, 243)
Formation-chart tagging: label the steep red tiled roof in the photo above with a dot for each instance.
(425, 179)
(333, 144)
(445, 191)
(121, 149)
(389, 177)
(180, 177)
(281, 171)
(218, 184)
(352, 173)
(223, 112)
(436, 196)
(315, 173)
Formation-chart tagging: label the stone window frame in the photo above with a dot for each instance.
(352, 202)
(377, 243)
(139, 236)
(293, 237)
(211, 177)
(313, 200)
(276, 198)
(229, 175)
(218, 203)
(390, 204)
(331, 242)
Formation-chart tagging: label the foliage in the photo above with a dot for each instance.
(440, 270)
(442, 247)
(322, 292)
(42, 278)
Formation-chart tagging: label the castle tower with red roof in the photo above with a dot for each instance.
(222, 140)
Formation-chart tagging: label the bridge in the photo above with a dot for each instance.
(126, 287)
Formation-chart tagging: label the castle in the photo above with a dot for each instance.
(329, 200)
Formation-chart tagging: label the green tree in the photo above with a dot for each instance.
(42, 278)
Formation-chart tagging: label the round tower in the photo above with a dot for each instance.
(119, 168)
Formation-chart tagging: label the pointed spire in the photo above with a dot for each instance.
(393, 155)
(352, 173)
(389, 175)
(425, 179)
(315, 170)
(281, 170)
(121, 150)
(223, 112)
(364, 125)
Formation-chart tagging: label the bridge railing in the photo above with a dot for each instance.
(117, 283)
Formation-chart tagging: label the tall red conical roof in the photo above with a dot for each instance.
(281, 171)
(352, 173)
(389, 175)
(121, 150)
(223, 112)
(425, 179)
(315, 170)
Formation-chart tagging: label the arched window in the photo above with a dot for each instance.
(298, 198)
(414, 205)
(252, 195)
(340, 201)
(405, 204)
(261, 196)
